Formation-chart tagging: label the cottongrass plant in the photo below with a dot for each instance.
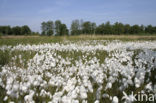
(93, 71)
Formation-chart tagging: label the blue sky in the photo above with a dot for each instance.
(33, 12)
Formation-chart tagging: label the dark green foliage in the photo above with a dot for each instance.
(150, 29)
(93, 28)
(43, 33)
(5, 30)
(63, 29)
(58, 27)
(1, 35)
(2, 93)
(76, 27)
(25, 30)
(127, 28)
(135, 29)
(17, 30)
(118, 28)
(100, 29)
(79, 27)
(86, 27)
(43, 28)
(50, 32)
(108, 28)
(47, 28)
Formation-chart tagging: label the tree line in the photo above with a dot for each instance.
(79, 27)
(51, 28)
(17, 30)
(86, 27)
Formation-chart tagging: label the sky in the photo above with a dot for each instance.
(34, 12)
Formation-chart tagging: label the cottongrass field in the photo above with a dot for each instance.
(81, 71)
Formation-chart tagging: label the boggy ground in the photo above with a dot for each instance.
(68, 70)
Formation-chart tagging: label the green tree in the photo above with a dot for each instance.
(8, 30)
(104, 28)
(16, 30)
(150, 29)
(135, 29)
(25, 30)
(142, 29)
(50, 28)
(127, 29)
(93, 28)
(5, 30)
(43, 33)
(100, 29)
(108, 28)
(58, 27)
(63, 29)
(47, 28)
(87, 27)
(154, 29)
(118, 28)
(43, 28)
(75, 27)
(50, 32)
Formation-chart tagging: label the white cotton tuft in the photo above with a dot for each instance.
(115, 99)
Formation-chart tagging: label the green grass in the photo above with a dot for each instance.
(6, 57)
(15, 40)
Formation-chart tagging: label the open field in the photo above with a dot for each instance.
(77, 69)
(14, 40)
